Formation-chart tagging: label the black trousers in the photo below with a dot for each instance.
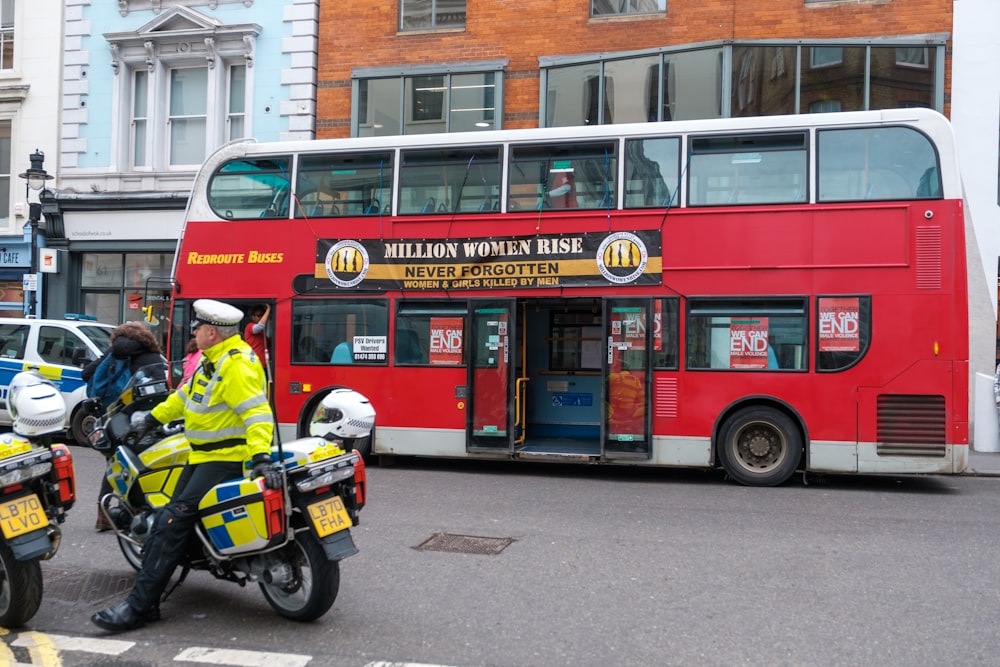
(174, 527)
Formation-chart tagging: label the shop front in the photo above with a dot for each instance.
(113, 255)
(15, 263)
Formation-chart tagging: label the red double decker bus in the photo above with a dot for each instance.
(764, 294)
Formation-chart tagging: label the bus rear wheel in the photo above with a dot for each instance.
(760, 446)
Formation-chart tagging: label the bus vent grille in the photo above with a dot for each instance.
(911, 425)
(666, 398)
(928, 258)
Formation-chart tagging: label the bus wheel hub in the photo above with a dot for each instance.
(758, 446)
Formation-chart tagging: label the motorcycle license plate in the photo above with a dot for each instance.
(22, 515)
(329, 516)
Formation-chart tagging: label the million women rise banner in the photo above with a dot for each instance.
(617, 258)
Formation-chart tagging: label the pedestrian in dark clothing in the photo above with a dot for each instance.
(132, 343)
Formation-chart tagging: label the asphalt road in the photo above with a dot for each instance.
(594, 566)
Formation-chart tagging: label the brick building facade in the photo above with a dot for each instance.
(522, 35)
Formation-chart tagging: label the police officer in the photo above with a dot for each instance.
(228, 422)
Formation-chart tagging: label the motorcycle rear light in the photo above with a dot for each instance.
(274, 509)
(360, 482)
(62, 460)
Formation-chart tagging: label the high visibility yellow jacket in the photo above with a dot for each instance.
(224, 405)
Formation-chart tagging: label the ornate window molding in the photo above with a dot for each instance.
(182, 35)
(156, 6)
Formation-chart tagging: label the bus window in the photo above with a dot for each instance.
(652, 172)
(747, 334)
(575, 338)
(565, 176)
(459, 180)
(748, 169)
(247, 189)
(876, 163)
(666, 333)
(340, 331)
(843, 331)
(429, 333)
(328, 186)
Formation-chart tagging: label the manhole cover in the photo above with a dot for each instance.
(93, 586)
(465, 544)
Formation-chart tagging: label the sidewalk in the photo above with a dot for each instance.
(984, 464)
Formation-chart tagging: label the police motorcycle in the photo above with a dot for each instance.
(289, 541)
(37, 488)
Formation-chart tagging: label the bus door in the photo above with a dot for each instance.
(628, 328)
(490, 421)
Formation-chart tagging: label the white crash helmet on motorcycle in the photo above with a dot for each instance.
(343, 413)
(35, 405)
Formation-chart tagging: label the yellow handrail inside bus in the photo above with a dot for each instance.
(521, 396)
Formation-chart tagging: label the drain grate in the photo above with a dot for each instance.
(465, 544)
(76, 586)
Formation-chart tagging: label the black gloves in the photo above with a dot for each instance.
(139, 431)
(261, 467)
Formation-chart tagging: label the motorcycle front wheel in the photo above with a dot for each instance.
(132, 553)
(20, 588)
(315, 582)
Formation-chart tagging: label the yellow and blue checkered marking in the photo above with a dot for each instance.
(234, 517)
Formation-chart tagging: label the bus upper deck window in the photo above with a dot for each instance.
(563, 176)
(748, 169)
(249, 189)
(885, 163)
(453, 180)
(652, 172)
(341, 185)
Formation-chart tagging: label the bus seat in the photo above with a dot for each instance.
(429, 205)
(342, 354)
(373, 207)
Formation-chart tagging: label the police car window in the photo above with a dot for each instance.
(75, 351)
(99, 336)
(12, 340)
(53, 343)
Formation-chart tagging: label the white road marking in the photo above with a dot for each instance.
(85, 644)
(223, 656)
(45, 650)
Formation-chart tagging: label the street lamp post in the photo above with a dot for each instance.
(35, 178)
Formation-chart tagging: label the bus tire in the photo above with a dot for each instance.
(363, 446)
(760, 446)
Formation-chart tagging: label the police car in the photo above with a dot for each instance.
(58, 350)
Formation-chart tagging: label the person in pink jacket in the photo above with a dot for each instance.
(191, 360)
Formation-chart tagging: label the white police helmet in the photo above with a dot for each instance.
(215, 313)
(342, 414)
(35, 405)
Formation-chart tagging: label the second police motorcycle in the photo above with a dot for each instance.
(37, 488)
(288, 540)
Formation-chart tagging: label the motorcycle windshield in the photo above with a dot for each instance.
(148, 380)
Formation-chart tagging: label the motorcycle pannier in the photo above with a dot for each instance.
(243, 515)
